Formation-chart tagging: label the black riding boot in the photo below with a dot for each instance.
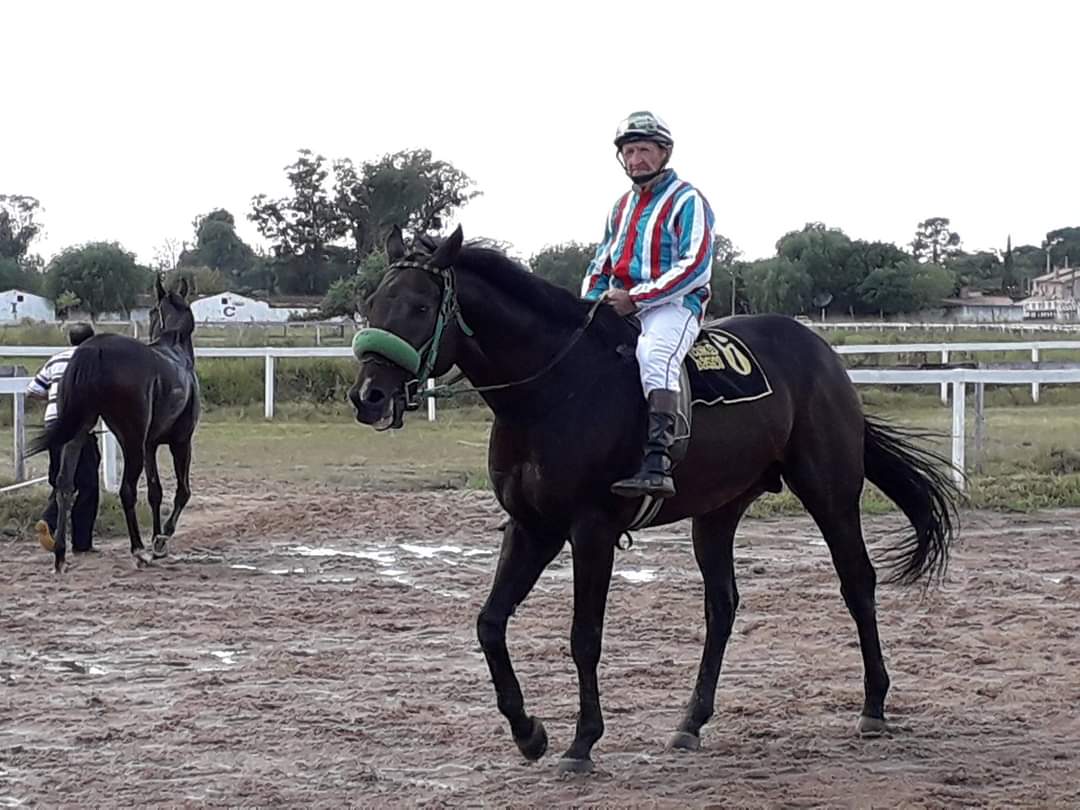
(654, 477)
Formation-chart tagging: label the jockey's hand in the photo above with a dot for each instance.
(620, 301)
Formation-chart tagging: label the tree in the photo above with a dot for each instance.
(102, 275)
(564, 264)
(408, 189)
(1064, 246)
(65, 303)
(17, 225)
(1029, 261)
(218, 247)
(727, 284)
(348, 296)
(778, 285)
(981, 270)
(934, 241)
(302, 227)
(167, 255)
(823, 253)
(906, 287)
(14, 276)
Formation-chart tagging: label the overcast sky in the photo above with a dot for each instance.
(128, 119)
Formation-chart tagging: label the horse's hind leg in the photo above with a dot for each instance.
(65, 496)
(714, 539)
(181, 453)
(133, 467)
(833, 501)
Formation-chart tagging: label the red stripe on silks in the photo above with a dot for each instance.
(658, 233)
(605, 268)
(698, 261)
(622, 266)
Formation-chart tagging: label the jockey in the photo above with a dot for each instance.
(655, 261)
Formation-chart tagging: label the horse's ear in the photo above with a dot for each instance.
(182, 290)
(448, 251)
(158, 282)
(395, 245)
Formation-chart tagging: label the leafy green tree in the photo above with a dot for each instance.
(409, 189)
(727, 274)
(102, 275)
(1029, 261)
(302, 228)
(982, 270)
(348, 296)
(778, 285)
(14, 276)
(18, 225)
(564, 264)
(1064, 245)
(906, 287)
(934, 241)
(219, 248)
(65, 303)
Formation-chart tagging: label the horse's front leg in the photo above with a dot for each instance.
(524, 555)
(154, 494)
(594, 542)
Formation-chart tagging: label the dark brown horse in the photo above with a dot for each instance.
(572, 420)
(148, 395)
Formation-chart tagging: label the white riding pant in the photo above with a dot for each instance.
(667, 333)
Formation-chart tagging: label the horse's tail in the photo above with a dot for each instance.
(919, 482)
(78, 401)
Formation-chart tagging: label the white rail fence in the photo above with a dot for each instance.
(945, 326)
(110, 468)
(957, 379)
(270, 355)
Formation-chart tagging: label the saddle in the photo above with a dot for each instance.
(718, 370)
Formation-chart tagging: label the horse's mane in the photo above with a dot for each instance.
(549, 300)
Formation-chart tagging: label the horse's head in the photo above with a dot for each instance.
(171, 313)
(412, 332)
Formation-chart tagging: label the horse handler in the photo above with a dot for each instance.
(46, 385)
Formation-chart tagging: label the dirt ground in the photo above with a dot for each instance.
(316, 648)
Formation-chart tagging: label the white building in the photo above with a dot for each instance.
(230, 307)
(18, 305)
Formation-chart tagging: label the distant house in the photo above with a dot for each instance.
(19, 305)
(230, 307)
(1054, 296)
(1061, 283)
(983, 309)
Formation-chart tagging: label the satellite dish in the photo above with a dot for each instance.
(822, 300)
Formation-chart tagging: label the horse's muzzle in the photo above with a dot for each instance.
(375, 407)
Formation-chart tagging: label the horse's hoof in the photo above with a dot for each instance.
(571, 766)
(161, 546)
(535, 745)
(44, 536)
(684, 741)
(871, 726)
(142, 558)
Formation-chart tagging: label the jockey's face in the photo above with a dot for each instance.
(642, 158)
